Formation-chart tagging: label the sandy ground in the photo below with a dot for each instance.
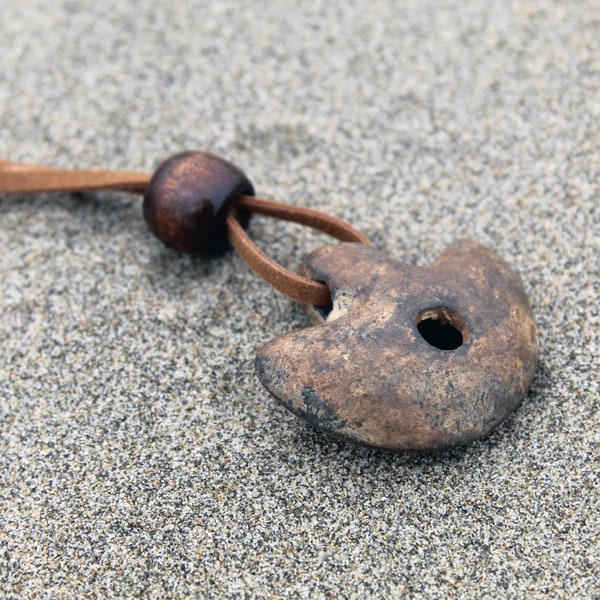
(139, 455)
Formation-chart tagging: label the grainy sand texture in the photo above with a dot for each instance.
(139, 454)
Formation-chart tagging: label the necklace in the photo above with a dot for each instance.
(400, 357)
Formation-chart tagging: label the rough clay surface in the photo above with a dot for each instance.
(367, 375)
(139, 454)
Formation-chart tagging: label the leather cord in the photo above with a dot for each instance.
(23, 178)
(295, 286)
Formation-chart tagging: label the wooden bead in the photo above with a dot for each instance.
(188, 198)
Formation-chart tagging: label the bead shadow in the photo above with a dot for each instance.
(82, 215)
(73, 213)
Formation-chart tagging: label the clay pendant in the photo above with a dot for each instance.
(408, 358)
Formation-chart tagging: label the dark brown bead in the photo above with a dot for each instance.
(188, 198)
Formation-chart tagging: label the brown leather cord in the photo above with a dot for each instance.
(295, 286)
(23, 178)
(308, 217)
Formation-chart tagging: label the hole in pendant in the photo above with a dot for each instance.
(442, 328)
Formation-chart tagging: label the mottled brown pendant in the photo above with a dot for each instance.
(407, 358)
